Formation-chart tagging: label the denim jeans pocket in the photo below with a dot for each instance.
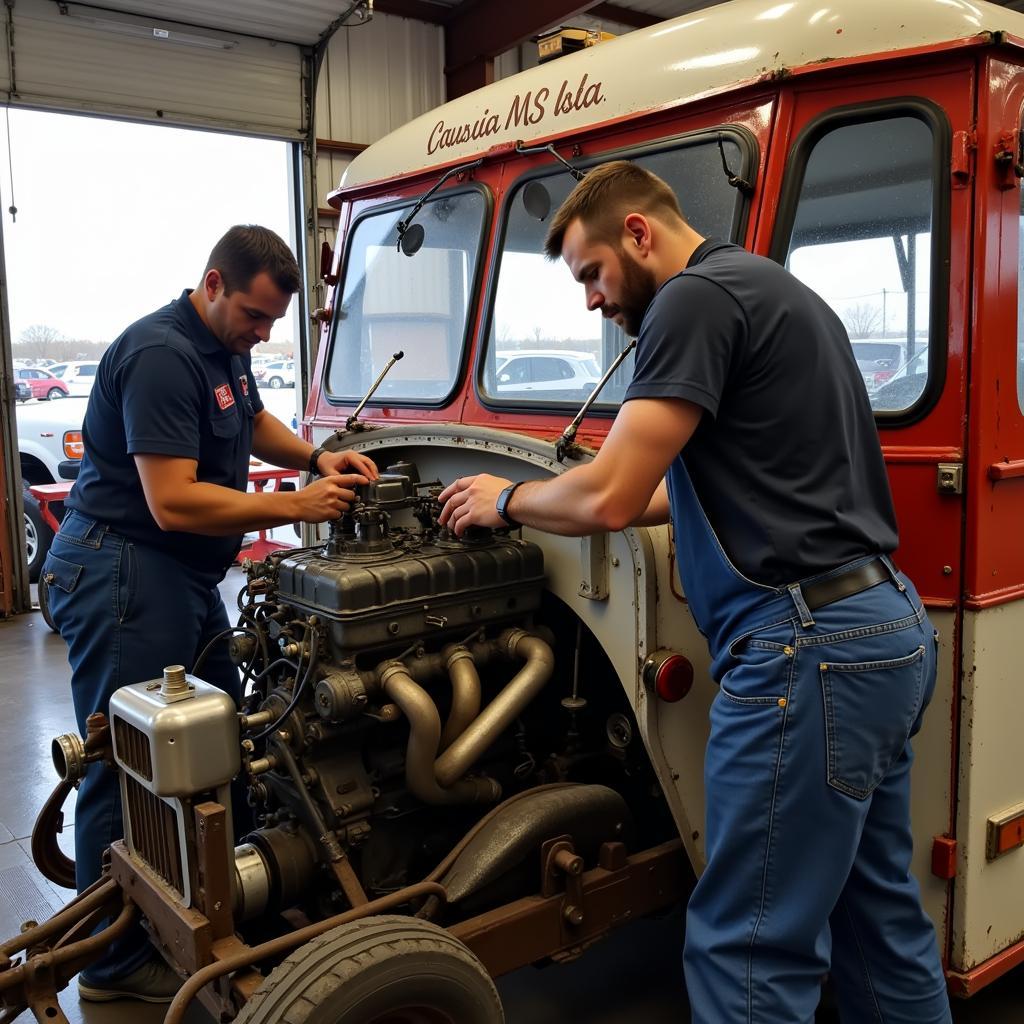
(761, 667)
(61, 573)
(870, 710)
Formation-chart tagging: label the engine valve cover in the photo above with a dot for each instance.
(372, 600)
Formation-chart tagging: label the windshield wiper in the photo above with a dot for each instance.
(536, 197)
(566, 444)
(352, 423)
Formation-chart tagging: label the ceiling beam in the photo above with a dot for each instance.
(482, 31)
(624, 16)
(421, 10)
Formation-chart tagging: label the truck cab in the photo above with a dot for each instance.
(875, 150)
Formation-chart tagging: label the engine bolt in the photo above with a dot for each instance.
(573, 915)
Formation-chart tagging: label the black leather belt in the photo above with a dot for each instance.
(846, 584)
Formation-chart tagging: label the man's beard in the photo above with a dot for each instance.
(638, 288)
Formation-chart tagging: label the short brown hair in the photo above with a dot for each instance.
(605, 197)
(247, 250)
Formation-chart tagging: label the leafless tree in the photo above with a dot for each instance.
(863, 320)
(40, 334)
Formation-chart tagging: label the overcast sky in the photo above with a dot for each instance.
(115, 219)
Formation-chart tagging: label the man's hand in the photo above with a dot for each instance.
(470, 502)
(327, 498)
(333, 463)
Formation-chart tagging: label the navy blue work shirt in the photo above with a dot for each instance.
(166, 386)
(786, 460)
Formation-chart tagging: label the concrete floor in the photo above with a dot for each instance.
(633, 977)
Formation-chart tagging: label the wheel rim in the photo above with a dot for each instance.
(54, 393)
(275, 382)
(31, 540)
(414, 1015)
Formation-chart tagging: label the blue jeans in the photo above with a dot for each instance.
(808, 838)
(125, 610)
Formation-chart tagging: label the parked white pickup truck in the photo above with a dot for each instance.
(50, 447)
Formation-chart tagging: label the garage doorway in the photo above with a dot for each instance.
(104, 221)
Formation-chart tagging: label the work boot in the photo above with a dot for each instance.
(153, 982)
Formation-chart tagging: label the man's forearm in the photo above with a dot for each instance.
(574, 504)
(222, 511)
(273, 442)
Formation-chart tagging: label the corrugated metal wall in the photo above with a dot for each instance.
(374, 78)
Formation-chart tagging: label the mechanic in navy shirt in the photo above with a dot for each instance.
(747, 424)
(158, 514)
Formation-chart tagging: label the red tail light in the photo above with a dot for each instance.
(669, 675)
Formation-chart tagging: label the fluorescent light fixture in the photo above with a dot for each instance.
(141, 29)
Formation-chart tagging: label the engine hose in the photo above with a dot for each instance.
(465, 693)
(47, 855)
(300, 688)
(424, 737)
(503, 710)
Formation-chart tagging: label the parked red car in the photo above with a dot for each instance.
(43, 383)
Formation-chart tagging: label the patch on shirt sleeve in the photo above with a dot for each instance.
(223, 395)
(244, 383)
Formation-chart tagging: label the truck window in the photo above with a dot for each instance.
(862, 238)
(537, 309)
(418, 305)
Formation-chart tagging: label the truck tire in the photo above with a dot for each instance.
(398, 970)
(38, 537)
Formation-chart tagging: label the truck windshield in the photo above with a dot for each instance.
(391, 302)
(543, 346)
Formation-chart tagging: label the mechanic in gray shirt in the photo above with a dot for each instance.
(747, 423)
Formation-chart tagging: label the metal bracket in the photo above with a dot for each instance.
(560, 861)
(950, 478)
(594, 567)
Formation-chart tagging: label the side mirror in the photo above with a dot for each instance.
(537, 200)
(412, 239)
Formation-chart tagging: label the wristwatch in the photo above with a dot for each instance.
(501, 505)
(314, 456)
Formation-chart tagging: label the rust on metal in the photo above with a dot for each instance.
(185, 933)
(213, 898)
(99, 894)
(35, 983)
(349, 881)
(531, 929)
(284, 944)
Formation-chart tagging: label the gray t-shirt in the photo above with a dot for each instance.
(786, 462)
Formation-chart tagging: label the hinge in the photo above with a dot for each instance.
(950, 478)
(1009, 158)
(964, 146)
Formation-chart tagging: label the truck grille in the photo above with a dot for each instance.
(133, 748)
(154, 833)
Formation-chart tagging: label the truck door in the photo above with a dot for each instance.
(988, 911)
(870, 218)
